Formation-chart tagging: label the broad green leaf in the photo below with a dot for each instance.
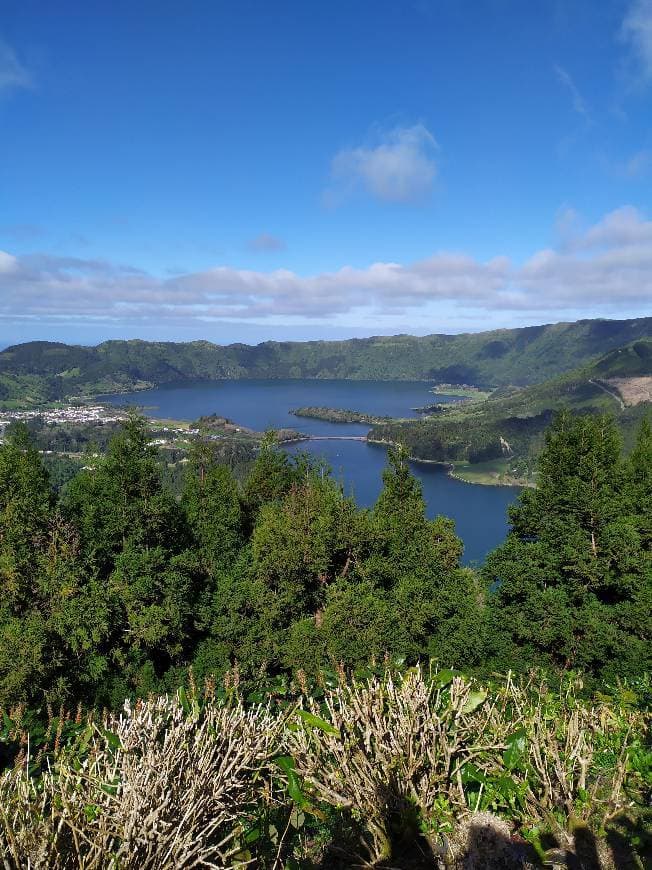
(317, 722)
(85, 738)
(7, 722)
(286, 763)
(515, 751)
(91, 811)
(252, 836)
(443, 678)
(183, 700)
(111, 788)
(470, 773)
(112, 739)
(505, 786)
(475, 699)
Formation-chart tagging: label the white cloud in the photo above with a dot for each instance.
(622, 228)
(637, 32)
(12, 73)
(637, 165)
(595, 271)
(579, 105)
(8, 263)
(400, 168)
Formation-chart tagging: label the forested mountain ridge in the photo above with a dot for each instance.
(512, 421)
(46, 371)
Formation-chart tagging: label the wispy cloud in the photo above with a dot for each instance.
(596, 270)
(578, 102)
(400, 167)
(636, 31)
(265, 243)
(636, 166)
(13, 74)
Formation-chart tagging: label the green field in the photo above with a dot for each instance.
(494, 471)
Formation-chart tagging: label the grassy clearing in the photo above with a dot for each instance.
(462, 392)
(159, 423)
(494, 471)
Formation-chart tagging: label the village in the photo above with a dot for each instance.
(89, 415)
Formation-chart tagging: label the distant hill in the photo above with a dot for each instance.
(511, 422)
(46, 371)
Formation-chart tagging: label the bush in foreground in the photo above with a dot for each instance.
(412, 770)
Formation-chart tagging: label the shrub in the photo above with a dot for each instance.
(158, 786)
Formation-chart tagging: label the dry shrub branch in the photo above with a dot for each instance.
(154, 788)
(418, 757)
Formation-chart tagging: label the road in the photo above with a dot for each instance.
(608, 392)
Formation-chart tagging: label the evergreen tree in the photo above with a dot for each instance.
(213, 508)
(134, 541)
(436, 603)
(120, 500)
(302, 545)
(272, 475)
(26, 501)
(573, 576)
(52, 621)
(638, 471)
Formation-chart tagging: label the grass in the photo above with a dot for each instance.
(161, 423)
(462, 392)
(494, 471)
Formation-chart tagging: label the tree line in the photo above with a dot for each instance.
(114, 586)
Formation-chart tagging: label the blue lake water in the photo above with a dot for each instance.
(479, 511)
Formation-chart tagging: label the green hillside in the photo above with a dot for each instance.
(510, 424)
(498, 358)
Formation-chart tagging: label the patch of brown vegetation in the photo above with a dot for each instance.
(633, 391)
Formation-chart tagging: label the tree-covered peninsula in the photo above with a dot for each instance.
(339, 415)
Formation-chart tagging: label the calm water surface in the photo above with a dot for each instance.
(479, 511)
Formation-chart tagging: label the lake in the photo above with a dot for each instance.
(480, 512)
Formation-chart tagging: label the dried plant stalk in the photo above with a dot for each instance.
(162, 790)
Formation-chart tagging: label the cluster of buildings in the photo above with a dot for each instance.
(72, 414)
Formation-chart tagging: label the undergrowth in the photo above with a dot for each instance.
(402, 769)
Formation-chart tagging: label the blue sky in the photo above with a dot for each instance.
(244, 170)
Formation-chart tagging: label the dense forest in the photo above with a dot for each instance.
(114, 586)
(38, 372)
(353, 628)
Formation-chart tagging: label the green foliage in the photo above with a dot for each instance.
(25, 503)
(115, 587)
(338, 415)
(575, 574)
(213, 507)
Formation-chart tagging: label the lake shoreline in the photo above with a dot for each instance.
(452, 471)
(451, 467)
(480, 512)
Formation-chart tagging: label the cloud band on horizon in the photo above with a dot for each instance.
(600, 268)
